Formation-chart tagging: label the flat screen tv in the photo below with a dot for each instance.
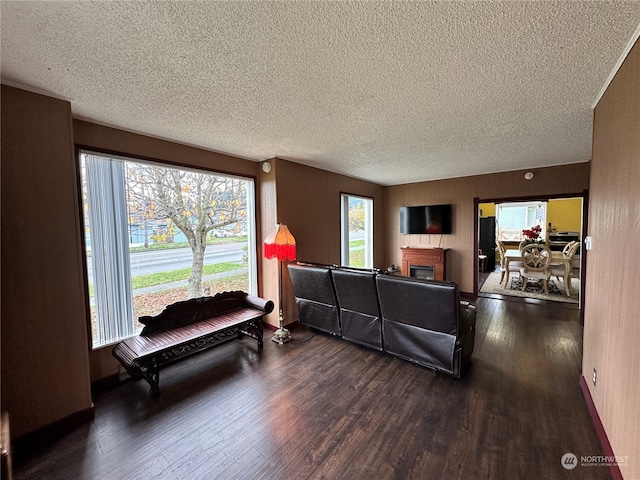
(426, 219)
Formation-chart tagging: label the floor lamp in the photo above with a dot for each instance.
(280, 244)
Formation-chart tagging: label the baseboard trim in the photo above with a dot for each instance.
(616, 474)
(105, 384)
(468, 296)
(33, 441)
(291, 326)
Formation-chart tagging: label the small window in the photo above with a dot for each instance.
(357, 231)
(512, 218)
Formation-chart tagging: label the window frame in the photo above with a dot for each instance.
(251, 222)
(524, 204)
(368, 229)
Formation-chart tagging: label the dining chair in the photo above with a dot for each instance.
(564, 269)
(536, 259)
(482, 260)
(514, 265)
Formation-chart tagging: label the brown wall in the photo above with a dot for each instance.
(45, 366)
(612, 328)
(270, 279)
(460, 192)
(90, 135)
(308, 201)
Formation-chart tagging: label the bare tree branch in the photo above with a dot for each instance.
(196, 203)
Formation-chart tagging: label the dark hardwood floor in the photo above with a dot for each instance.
(319, 407)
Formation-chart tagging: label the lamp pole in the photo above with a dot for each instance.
(280, 244)
(282, 335)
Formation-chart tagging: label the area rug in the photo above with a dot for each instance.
(533, 290)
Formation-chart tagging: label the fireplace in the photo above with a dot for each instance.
(429, 263)
(422, 271)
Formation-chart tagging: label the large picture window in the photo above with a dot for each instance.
(357, 231)
(512, 218)
(156, 234)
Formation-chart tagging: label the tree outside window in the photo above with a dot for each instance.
(157, 234)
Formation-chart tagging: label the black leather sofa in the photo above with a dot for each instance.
(422, 321)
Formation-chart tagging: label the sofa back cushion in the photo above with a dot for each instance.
(359, 308)
(315, 297)
(356, 290)
(424, 304)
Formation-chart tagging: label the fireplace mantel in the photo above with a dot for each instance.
(424, 257)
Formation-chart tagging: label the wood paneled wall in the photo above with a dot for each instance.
(460, 192)
(612, 329)
(45, 366)
(308, 201)
(270, 273)
(104, 138)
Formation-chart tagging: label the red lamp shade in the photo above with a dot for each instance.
(280, 244)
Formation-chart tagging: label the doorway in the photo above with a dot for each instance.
(561, 219)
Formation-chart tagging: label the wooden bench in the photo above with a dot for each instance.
(188, 327)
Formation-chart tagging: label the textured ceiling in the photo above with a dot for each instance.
(391, 92)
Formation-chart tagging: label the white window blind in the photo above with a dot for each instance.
(110, 248)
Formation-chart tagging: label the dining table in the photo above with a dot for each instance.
(556, 257)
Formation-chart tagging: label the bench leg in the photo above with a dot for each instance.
(152, 376)
(154, 391)
(259, 335)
